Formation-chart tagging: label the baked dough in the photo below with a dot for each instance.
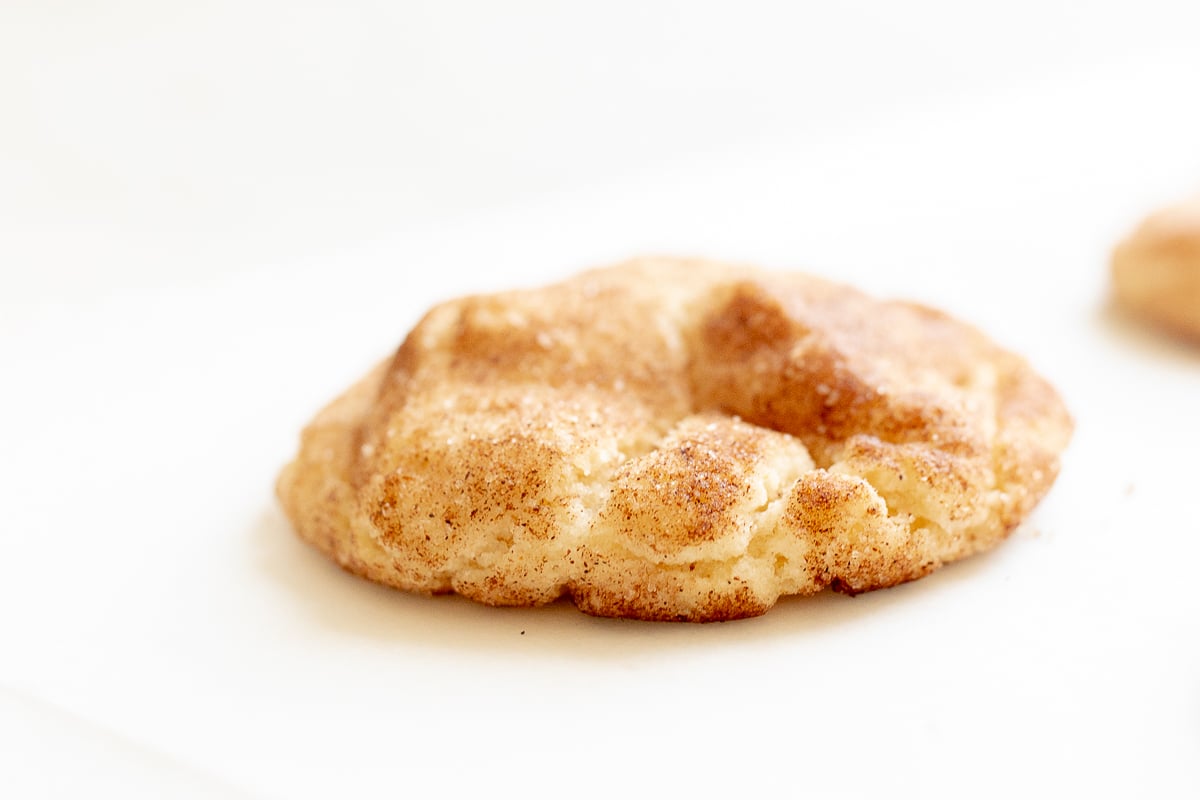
(675, 440)
(1156, 270)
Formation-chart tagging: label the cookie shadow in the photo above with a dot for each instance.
(332, 598)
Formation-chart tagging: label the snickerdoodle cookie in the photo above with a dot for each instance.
(675, 440)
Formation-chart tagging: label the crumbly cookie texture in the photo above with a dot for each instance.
(675, 440)
(1156, 269)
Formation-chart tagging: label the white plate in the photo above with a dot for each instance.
(161, 621)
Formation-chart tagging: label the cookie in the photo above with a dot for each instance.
(675, 440)
(1156, 270)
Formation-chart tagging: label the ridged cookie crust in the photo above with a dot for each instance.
(675, 440)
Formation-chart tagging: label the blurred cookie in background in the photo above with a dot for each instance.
(1156, 270)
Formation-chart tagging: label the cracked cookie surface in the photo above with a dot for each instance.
(677, 440)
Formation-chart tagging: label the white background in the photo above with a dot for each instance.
(214, 216)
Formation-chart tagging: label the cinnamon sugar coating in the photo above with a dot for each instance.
(675, 440)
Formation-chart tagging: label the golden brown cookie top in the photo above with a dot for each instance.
(676, 439)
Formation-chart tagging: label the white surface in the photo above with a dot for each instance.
(164, 632)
